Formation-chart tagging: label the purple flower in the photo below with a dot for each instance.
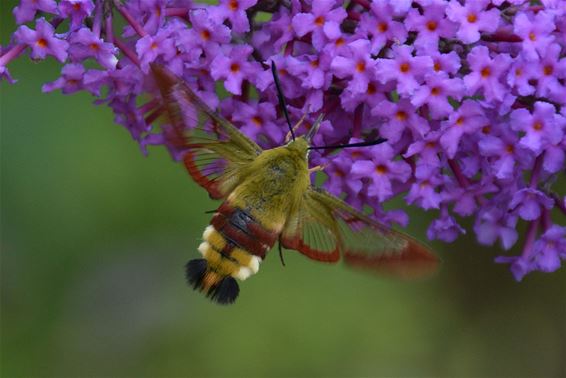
(548, 73)
(233, 68)
(466, 120)
(505, 153)
(358, 65)
(535, 32)
(486, 73)
(323, 21)
(447, 64)
(150, 47)
(380, 26)
(235, 11)
(426, 190)
(398, 117)
(520, 77)
(84, 44)
(473, 18)
(529, 202)
(542, 128)
(381, 170)
(406, 69)
(445, 228)
(206, 33)
(549, 249)
(28, 8)
(258, 122)
(42, 41)
(435, 94)
(430, 26)
(494, 223)
(70, 81)
(78, 10)
(313, 70)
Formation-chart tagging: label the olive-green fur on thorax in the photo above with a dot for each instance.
(274, 183)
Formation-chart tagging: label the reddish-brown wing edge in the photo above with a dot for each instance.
(171, 86)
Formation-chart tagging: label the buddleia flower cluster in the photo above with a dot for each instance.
(470, 95)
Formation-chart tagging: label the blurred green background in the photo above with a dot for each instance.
(95, 236)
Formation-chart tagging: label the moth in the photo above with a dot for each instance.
(267, 198)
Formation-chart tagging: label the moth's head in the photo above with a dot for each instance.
(302, 143)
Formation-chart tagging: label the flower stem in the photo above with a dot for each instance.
(462, 180)
(364, 3)
(501, 36)
(536, 171)
(127, 51)
(130, 19)
(177, 12)
(97, 23)
(11, 54)
(530, 239)
(358, 115)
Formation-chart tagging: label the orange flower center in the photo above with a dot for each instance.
(401, 115)
(340, 42)
(431, 25)
(94, 46)
(437, 66)
(205, 35)
(234, 67)
(42, 42)
(472, 17)
(382, 27)
(381, 169)
(510, 148)
(460, 121)
(361, 66)
(435, 91)
(537, 126)
(486, 129)
(548, 70)
(486, 72)
(257, 121)
(532, 36)
(319, 21)
(233, 5)
(404, 67)
(371, 89)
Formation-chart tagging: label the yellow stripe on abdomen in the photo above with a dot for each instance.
(225, 258)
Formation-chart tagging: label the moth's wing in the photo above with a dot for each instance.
(214, 151)
(326, 227)
(313, 231)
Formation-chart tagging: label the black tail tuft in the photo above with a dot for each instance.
(195, 271)
(226, 291)
(223, 290)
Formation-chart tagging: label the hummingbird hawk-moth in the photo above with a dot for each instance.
(268, 197)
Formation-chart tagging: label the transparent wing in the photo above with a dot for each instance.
(214, 151)
(325, 227)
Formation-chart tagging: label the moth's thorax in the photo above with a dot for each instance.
(275, 181)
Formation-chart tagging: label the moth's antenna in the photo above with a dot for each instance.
(360, 144)
(282, 103)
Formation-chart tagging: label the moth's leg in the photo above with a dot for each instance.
(281, 252)
(317, 168)
(288, 136)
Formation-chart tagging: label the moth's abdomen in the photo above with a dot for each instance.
(234, 244)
